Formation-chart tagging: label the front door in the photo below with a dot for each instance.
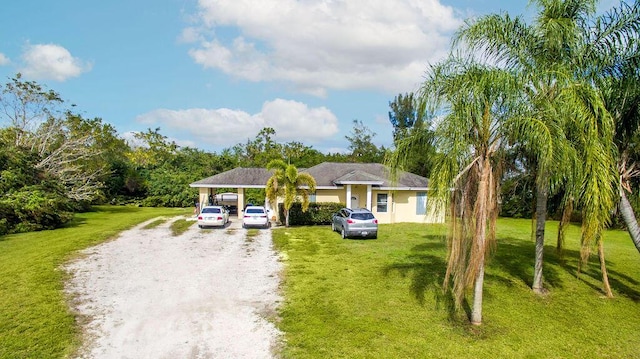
(355, 201)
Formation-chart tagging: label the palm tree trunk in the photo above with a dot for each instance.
(476, 313)
(541, 217)
(603, 269)
(480, 236)
(562, 226)
(286, 217)
(629, 218)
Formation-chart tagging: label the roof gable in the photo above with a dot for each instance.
(332, 174)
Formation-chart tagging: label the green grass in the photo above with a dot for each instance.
(180, 226)
(155, 223)
(383, 298)
(35, 321)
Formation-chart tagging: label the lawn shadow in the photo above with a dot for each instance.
(426, 271)
(516, 258)
(620, 282)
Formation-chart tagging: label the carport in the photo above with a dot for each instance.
(217, 189)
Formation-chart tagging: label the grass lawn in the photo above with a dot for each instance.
(383, 298)
(34, 318)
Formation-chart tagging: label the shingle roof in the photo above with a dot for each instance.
(326, 174)
(237, 178)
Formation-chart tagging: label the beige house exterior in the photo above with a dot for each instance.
(357, 185)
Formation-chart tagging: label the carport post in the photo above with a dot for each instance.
(240, 202)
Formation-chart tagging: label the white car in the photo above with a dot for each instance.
(213, 216)
(255, 216)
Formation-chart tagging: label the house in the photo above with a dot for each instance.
(358, 185)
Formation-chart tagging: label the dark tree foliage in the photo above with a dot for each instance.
(404, 115)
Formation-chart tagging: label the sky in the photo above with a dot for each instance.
(213, 73)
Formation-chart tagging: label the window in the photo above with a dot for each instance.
(421, 202)
(312, 197)
(382, 202)
(363, 216)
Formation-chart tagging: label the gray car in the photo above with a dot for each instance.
(355, 223)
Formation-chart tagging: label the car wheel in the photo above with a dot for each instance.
(199, 226)
(343, 234)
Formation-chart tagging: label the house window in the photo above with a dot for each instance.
(421, 202)
(312, 197)
(382, 202)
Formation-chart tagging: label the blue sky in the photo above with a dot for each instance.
(212, 73)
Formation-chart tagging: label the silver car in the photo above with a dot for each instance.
(355, 223)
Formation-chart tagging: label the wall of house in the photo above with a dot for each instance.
(331, 195)
(402, 207)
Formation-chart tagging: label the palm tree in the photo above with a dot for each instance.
(623, 101)
(476, 121)
(288, 183)
(557, 55)
(618, 78)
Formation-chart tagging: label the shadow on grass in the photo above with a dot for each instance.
(620, 282)
(427, 271)
(513, 261)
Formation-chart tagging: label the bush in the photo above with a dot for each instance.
(34, 208)
(317, 214)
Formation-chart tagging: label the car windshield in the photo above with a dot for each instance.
(211, 210)
(255, 210)
(362, 216)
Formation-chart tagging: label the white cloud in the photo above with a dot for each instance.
(51, 62)
(4, 60)
(321, 44)
(221, 128)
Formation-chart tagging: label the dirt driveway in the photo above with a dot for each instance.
(203, 294)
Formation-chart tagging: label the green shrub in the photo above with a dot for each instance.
(33, 208)
(317, 214)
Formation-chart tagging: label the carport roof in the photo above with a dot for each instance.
(326, 174)
(236, 178)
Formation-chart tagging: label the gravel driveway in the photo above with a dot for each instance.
(203, 294)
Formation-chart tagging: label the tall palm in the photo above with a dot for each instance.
(618, 78)
(475, 103)
(557, 56)
(623, 101)
(287, 183)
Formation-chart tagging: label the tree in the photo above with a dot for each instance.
(411, 125)
(404, 115)
(67, 150)
(300, 155)
(361, 144)
(259, 151)
(288, 183)
(476, 107)
(557, 55)
(618, 76)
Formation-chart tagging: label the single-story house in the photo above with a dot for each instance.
(358, 185)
